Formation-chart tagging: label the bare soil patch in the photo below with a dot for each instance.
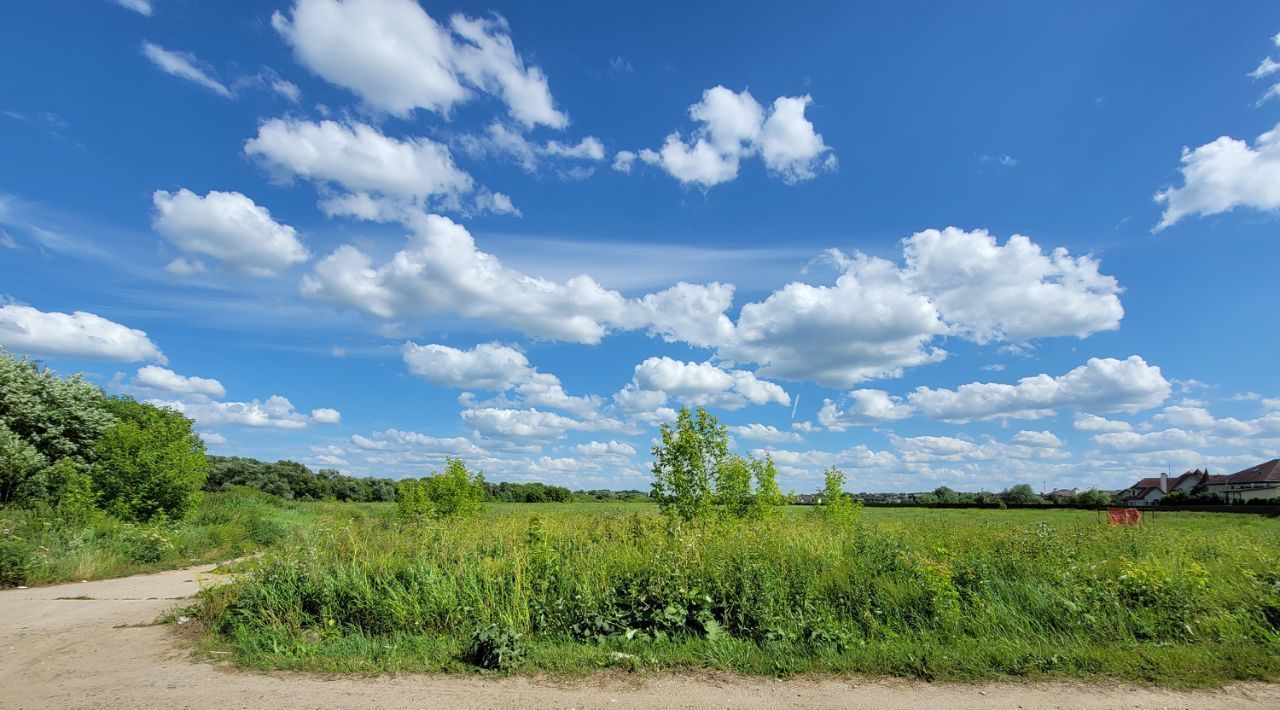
(93, 645)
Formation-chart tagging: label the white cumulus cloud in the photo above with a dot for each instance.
(605, 448)
(1037, 439)
(166, 380)
(382, 175)
(705, 384)
(528, 424)
(326, 415)
(1013, 291)
(488, 366)
(880, 318)
(25, 330)
(275, 412)
(496, 367)
(870, 324)
(1131, 441)
(877, 319)
(1222, 175)
(765, 433)
(1101, 384)
(1092, 422)
(398, 58)
(440, 270)
(863, 407)
(734, 126)
(228, 226)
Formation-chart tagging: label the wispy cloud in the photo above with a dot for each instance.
(1003, 159)
(142, 7)
(185, 66)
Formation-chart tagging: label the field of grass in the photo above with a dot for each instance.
(38, 548)
(1187, 599)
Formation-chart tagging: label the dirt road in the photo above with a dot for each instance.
(60, 651)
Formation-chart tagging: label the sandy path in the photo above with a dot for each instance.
(76, 653)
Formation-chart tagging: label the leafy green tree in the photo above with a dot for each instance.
(534, 492)
(455, 493)
(150, 463)
(20, 463)
(289, 479)
(833, 502)
(944, 494)
(1093, 496)
(1021, 494)
(733, 486)
(684, 463)
(768, 497)
(59, 417)
(747, 487)
(67, 488)
(411, 500)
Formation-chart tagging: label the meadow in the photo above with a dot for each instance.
(39, 548)
(1187, 599)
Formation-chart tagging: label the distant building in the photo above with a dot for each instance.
(1259, 482)
(1060, 494)
(1148, 491)
(1145, 492)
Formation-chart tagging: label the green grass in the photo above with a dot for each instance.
(1186, 600)
(37, 548)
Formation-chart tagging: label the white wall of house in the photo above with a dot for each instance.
(1152, 496)
(1243, 495)
(1218, 489)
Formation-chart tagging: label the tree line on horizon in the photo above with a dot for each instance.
(67, 445)
(295, 481)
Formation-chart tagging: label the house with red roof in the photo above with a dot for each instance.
(1259, 482)
(1148, 491)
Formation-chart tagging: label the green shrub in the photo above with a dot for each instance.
(59, 417)
(20, 462)
(455, 493)
(266, 532)
(65, 446)
(1021, 494)
(69, 490)
(833, 503)
(496, 647)
(147, 544)
(150, 463)
(15, 559)
(687, 460)
(733, 486)
(53, 546)
(747, 487)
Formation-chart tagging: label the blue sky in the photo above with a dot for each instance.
(934, 245)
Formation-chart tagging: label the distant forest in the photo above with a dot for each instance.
(295, 481)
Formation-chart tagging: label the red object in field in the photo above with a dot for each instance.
(1124, 516)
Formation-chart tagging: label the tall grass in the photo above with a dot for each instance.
(1189, 600)
(37, 547)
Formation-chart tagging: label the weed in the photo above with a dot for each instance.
(931, 594)
(496, 647)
